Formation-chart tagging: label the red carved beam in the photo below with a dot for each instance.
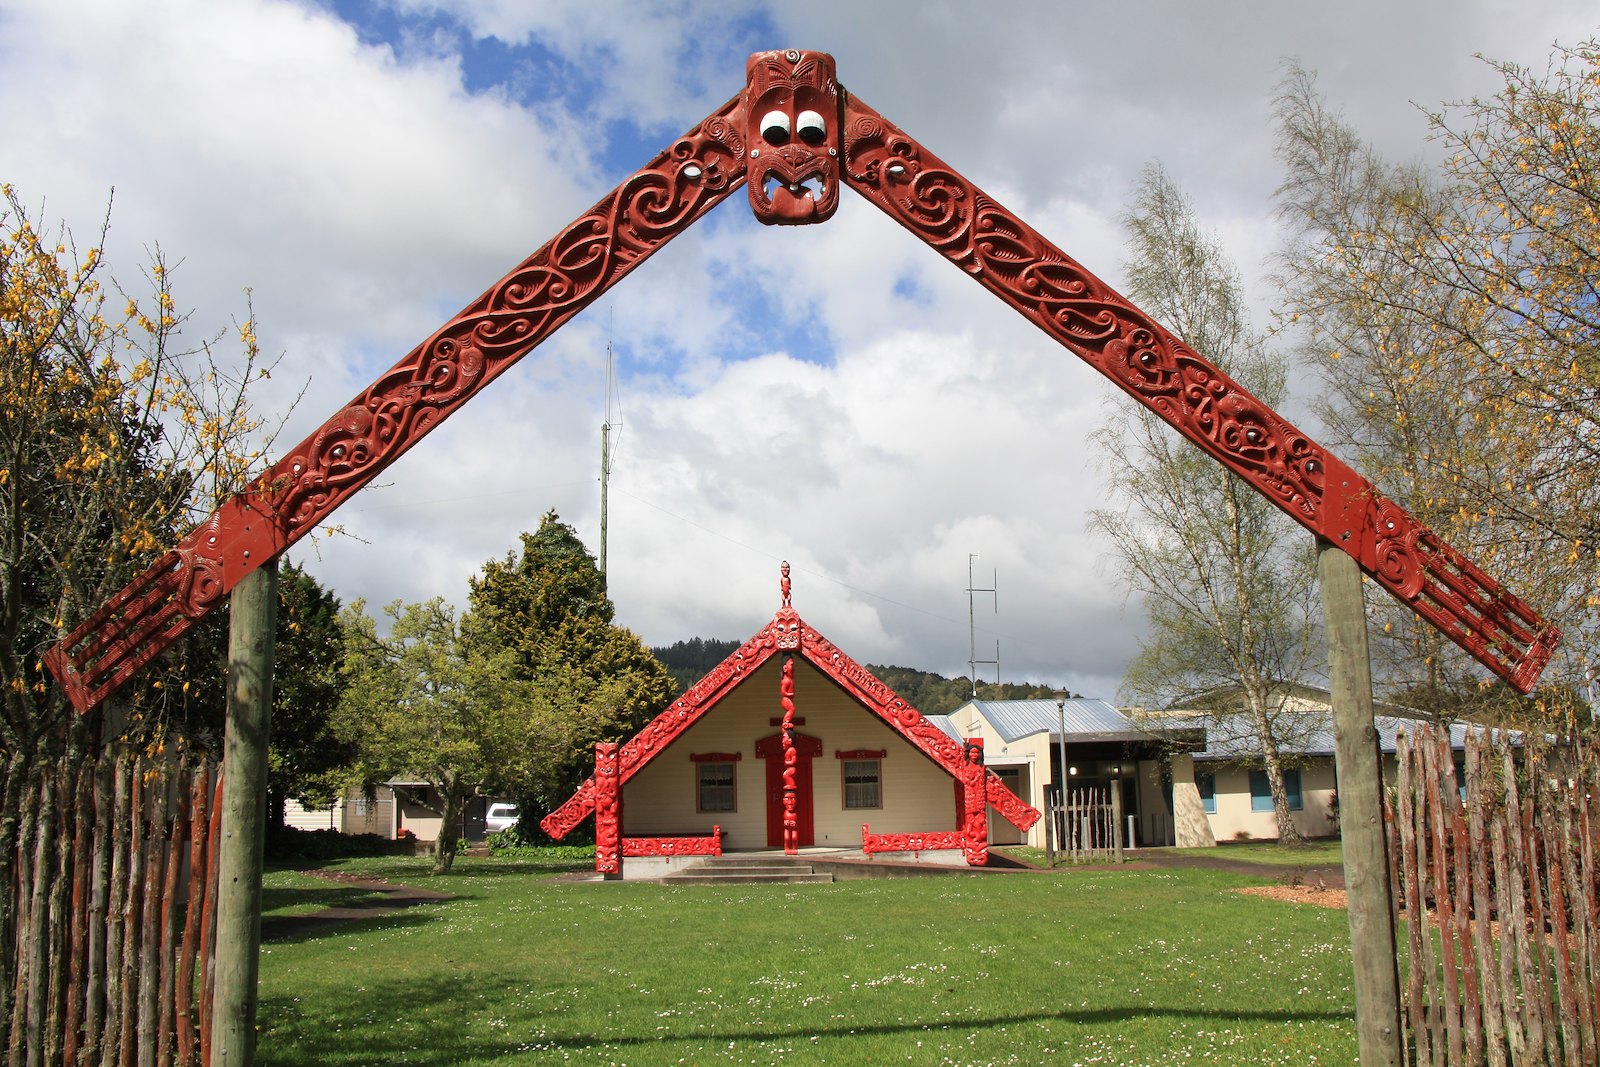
(1052, 290)
(674, 846)
(1011, 807)
(285, 503)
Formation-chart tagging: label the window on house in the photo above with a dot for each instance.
(1261, 790)
(861, 784)
(1208, 791)
(716, 786)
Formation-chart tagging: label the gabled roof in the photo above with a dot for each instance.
(787, 632)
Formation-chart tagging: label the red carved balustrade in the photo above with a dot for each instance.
(914, 843)
(708, 845)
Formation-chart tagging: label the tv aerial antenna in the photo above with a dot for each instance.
(973, 662)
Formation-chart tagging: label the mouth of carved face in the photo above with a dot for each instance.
(776, 188)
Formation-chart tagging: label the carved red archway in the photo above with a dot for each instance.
(792, 128)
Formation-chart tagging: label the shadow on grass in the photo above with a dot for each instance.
(444, 1041)
(304, 929)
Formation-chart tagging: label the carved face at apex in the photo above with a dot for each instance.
(791, 107)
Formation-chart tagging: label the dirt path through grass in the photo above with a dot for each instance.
(374, 897)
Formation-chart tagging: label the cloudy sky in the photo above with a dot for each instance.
(835, 395)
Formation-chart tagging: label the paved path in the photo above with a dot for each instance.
(395, 897)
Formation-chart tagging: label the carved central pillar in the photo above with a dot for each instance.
(607, 810)
(791, 823)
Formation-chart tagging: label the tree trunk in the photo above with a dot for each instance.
(10, 845)
(444, 855)
(1288, 836)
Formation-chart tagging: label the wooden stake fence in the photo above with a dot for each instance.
(114, 871)
(1501, 899)
(1085, 826)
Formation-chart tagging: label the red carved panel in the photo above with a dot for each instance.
(792, 128)
(607, 809)
(1052, 290)
(791, 823)
(674, 846)
(569, 273)
(930, 842)
(716, 757)
(862, 753)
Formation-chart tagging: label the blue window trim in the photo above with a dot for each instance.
(1261, 790)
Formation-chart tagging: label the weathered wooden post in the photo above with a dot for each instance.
(1049, 830)
(1360, 784)
(244, 815)
(1116, 819)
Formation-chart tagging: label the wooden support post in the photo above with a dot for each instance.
(1049, 830)
(1116, 819)
(1360, 783)
(244, 815)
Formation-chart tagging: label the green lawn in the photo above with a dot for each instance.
(1092, 966)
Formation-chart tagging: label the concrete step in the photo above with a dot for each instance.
(745, 877)
(760, 860)
(748, 869)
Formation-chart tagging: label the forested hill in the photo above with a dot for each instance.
(932, 694)
(691, 660)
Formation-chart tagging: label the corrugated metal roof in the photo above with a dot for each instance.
(1086, 719)
(947, 724)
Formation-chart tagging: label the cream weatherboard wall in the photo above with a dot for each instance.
(660, 800)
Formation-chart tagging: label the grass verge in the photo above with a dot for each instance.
(1111, 966)
(1313, 853)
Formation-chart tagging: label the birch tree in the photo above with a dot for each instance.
(1226, 580)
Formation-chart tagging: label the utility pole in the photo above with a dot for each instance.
(605, 448)
(972, 629)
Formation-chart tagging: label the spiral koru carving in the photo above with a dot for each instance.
(1013, 261)
(285, 503)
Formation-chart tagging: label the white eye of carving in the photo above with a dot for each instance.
(775, 127)
(810, 127)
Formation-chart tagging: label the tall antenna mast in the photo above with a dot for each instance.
(973, 661)
(605, 444)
